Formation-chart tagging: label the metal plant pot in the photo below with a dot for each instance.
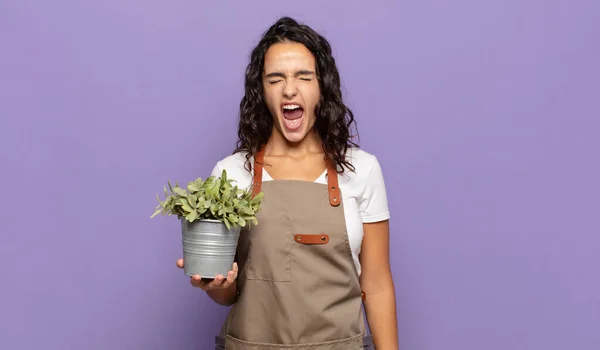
(208, 247)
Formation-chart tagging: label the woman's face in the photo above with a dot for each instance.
(291, 89)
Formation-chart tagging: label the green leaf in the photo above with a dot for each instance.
(214, 209)
(215, 191)
(209, 182)
(156, 213)
(257, 199)
(192, 187)
(227, 192)
(180, 191)
(192, 216)
(246, 211)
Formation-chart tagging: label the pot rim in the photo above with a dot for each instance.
(203, 220)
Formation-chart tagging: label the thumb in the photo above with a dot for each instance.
(180, 263)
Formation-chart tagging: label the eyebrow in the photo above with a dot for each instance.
(298, 73)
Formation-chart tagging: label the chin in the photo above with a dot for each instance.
(292, 136)
(295, 137)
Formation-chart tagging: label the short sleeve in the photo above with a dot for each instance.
(373, 202)
(216, 171)
(234, 165)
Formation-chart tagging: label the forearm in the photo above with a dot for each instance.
(224, 296)
(380, 308)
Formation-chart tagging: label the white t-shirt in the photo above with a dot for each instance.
(363, 191)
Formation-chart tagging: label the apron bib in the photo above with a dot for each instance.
(298, 287)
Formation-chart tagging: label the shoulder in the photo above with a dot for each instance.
(362, 160)
(234, 165)
(233, 161)
(367, 185)
(363, 163)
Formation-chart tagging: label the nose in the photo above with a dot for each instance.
(289, 88)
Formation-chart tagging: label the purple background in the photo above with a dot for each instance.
(484, 116)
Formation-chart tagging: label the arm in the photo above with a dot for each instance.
(376, 281)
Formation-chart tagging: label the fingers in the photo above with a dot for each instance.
(230, 278)
(219, 282)
(232, 275)
(198, 282)
(179, 263)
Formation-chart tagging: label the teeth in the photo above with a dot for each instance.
(291, 107)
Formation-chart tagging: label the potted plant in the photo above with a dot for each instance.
(212, 213)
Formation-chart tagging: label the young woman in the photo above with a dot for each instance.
(321, 247)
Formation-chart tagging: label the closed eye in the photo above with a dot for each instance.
(274, 82)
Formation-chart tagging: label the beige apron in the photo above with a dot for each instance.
(297, 284)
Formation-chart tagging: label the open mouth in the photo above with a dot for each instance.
(292, 116)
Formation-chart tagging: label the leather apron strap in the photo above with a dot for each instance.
(332, 179)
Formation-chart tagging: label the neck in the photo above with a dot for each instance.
(280, 146)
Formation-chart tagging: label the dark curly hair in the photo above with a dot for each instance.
(334, 119)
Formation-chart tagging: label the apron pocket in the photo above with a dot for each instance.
(270, 260)
(354, 343)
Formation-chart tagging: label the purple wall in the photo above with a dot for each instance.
(484, 115)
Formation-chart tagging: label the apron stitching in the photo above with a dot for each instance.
(305, 345)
